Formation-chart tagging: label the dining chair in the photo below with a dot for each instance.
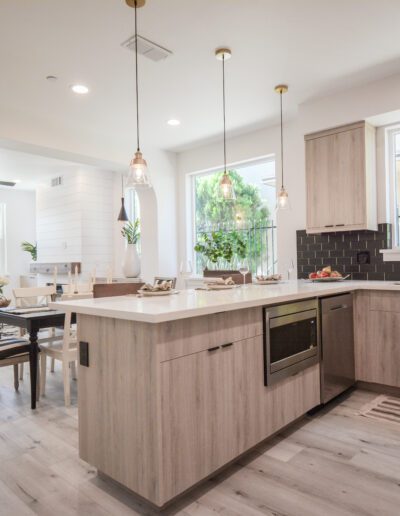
(28, 296)
(65, 349)
(14, 352)
(115, 289)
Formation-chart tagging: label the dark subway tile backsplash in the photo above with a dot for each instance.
(340, 251)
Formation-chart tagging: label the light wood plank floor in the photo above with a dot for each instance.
(334, 463)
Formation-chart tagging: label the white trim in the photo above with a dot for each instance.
(235, 164)
(391, 181)
(391, 255)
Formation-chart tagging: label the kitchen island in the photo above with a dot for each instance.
(173, 387)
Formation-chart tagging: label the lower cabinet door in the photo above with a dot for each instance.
(214, 406)
(198, 417)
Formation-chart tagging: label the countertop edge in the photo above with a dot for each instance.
(115, 313)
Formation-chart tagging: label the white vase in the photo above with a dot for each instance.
(131, 264)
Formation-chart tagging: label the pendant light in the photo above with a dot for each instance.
(138, 167)
(123, 216)
(226, 186)
(283, 196)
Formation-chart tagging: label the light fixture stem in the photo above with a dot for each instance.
(137, 80)
(223, 103)
(281, 139)
(122, 184)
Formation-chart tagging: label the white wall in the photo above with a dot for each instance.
(365, 102)
(75, 220)
(20, 226)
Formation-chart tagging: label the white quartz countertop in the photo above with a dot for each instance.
(192, 303)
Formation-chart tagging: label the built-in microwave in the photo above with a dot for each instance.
(291, 339)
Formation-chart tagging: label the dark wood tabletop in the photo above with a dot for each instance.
(33, 322)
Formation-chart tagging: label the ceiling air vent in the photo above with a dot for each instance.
(7, 183)
(57, 181)
(147, 48)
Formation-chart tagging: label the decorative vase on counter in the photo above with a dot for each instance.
(131, 264)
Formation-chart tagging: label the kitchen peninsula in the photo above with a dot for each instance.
(173, 387)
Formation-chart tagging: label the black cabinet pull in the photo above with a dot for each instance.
(213, 349)
(227, 345)
(328, 226)
(84, 354)
(339, 225)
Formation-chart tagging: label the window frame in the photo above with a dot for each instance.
(191, 196)
(391, 183)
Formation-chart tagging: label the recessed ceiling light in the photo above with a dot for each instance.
(80, 89)
(174, 122)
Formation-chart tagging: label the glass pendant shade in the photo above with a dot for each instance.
(226, 187)
(137, 172)
(283, 199)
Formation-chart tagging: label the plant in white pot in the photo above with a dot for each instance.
(131, 263)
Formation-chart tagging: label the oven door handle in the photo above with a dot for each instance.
(285, 320)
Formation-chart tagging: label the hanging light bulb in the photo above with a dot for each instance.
(283, 196)
(137, 176)
(226, 186)
(123, 216)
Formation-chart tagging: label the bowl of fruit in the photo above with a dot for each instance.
(326, 275)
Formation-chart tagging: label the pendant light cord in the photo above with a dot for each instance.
(223, 103)
(137, 80)
(281, 140)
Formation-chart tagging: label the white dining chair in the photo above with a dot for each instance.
(65, 349)
(28, 296)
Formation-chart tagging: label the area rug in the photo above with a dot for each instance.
(384, 408)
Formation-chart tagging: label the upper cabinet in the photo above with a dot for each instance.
(341, 179)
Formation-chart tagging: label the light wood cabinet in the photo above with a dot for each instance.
(215, 406)
(341, 179)
(377, 330)
(159, 425)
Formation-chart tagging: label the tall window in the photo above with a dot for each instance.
(393, 146)
(250, 218)
(3, 247)
(132, 204)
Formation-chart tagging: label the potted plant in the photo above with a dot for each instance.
(131, 263)
(220, 248)
(3, 300)
(30, 248)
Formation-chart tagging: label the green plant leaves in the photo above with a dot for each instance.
(131, 231)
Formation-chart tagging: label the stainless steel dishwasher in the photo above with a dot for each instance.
(337, 366)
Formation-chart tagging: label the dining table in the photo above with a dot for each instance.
(34, 319)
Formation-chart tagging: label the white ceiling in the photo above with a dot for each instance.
(316, 46)
(32, 171)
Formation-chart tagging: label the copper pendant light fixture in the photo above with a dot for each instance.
(283, 196)
(226, 186)
(137, 176)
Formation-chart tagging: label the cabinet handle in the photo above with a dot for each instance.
(338, 307)
(328, 226)
(213, 349)
(339, 225)
(227, 345)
